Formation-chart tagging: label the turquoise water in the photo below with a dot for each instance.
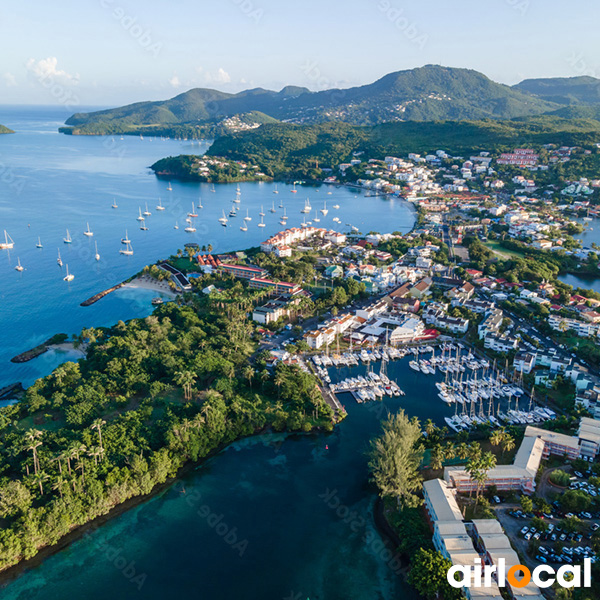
(257, 520)
(51, 182)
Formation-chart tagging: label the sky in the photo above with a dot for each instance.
(113, 52)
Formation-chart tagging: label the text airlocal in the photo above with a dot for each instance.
(544, 576)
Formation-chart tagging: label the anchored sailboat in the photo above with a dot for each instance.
(19, 267)
(8, 244)
(68, 276)
(88, 232)
(97, 255)
(68, 240)
(128, 251)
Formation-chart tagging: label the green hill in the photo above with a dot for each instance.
(424, 94)
(4, 129)
(563, 90)
(282, 150)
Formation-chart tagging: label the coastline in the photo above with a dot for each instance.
(149, 283)
(15, 571)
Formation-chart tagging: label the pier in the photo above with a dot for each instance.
(101, 295)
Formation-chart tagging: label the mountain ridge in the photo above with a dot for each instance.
(427, 93)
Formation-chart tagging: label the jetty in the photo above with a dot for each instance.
(10, 390)
(101, 295)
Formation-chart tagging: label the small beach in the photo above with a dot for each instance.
(149, 283)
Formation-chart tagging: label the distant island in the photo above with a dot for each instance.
(429, 93)
(4, 129)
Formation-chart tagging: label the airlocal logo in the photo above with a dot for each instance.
(568, 576)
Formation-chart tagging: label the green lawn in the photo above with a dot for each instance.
(494, 246)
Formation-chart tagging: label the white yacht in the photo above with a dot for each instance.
(128, 251)
(67, 240)
(68, 276)
(88, 232)
(324, 210)
(19, 267)
(8, 244)
(160, 206)
(97, 255)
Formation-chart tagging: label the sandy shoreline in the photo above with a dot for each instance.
(68, 347)
(148, 283)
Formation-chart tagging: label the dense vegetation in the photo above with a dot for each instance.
(151, 395)
(424, 94)
(564, 90)
(4, 129)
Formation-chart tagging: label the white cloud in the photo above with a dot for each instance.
(219, 76)
(48, 68)
(10, 80)
(174, 81)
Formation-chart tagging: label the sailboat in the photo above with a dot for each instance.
(247, 217)
(276, 191)
(68, 276)
(169, 188)
(68, 240)
(128, 249)
(283, 218)
(200, 203)
(307, 207)
(39, 244)
(160, 206)
(193, 213)
(294, 190)
(147, 213)
(238, 193)
(140, 218)
(262, 224)
(190, 228)
(212, 189)
(244, 227)
(8, 244)
(176, 226)
(262, 212)
(336, 206)
(97, 255)
(143, 226)
(59, 259)
(114, 204)
(316, 217)
(324, 210)
(19, 267)
(233, 211)
(273, 207)
(126, 239)
(88, 232)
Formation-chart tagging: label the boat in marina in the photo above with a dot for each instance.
(262, 222)
(223, 220)
(316, 217)
(307, 207)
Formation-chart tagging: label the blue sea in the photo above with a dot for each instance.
(50, 182)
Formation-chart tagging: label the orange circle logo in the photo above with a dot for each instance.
(518, 583)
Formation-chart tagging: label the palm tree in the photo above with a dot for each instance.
(186, 380)
(40, 477)
(462, 450)
(33, 444)
(437, 457)
(508, 443)
(497, 437)
(249, 374)
(429, 427)
(450, 451)
(60, 484)
(98, 424)
(279, 381)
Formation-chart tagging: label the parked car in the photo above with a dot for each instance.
(524, 530)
